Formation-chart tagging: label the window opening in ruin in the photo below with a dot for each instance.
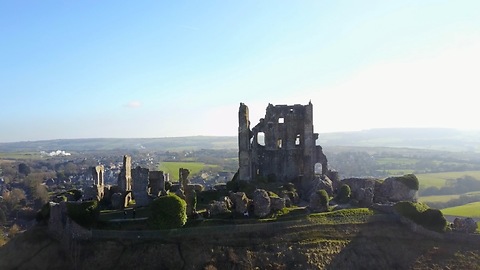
(279, 143)
(291, 110)
(297, 140)
(281, 120)
(261, 138)
(318, 168)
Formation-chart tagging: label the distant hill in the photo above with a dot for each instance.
(105, 144)
(421, 138)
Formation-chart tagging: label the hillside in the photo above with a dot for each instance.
(420, 138)
(282, 245)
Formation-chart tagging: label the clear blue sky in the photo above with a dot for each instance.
(90, 69)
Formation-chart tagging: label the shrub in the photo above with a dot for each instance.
(324, 198)
(344, 194)
(410, 180)
(84, 213)
(421, 214)
(167, 212)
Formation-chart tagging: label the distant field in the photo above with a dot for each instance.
(397, 161)
(20, 155)
(399, 172)
(444, 198)
(467, 210)
(172, 168)
(439, 179)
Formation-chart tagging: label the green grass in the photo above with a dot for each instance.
(439, 179)
(445, 198)
(468, 210)
(194, 167)
(344, 216)
(397, 161)
(438, 198)
(21, 155)
(399, 172)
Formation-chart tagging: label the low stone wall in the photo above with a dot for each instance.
(62, 227)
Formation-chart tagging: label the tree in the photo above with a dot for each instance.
(24, 169)
(344, 194)
(324, 198)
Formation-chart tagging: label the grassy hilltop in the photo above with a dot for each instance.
(358, 239)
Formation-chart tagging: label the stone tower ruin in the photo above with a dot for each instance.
(281, 147)
(97, 190)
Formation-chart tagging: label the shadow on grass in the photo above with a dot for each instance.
(391, 245)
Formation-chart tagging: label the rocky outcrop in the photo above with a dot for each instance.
(218, 207)
(467, 225)
(366, 191)
(277, 203)
(393, 190)
(362, 190)
(240, 201)
(315, 204)
(261, 203)
(321, 182)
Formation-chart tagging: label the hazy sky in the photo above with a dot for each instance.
(89, 69)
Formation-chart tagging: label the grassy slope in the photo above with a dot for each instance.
(172, 168)
(467, 210)
(338, 240)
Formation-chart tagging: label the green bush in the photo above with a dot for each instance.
(167, 212)
(344, 194)
(421, 214)
(410, 180)
(84, 213)
(324, 198)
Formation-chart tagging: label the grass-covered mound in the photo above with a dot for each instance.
(167, 212)
(421, 214)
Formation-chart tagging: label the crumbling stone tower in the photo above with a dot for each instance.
(125, 180)
(98, 188)
(125, 176)
(281, 146)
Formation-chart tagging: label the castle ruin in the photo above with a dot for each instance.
(281, 147)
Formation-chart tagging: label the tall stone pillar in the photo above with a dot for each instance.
(244, 151)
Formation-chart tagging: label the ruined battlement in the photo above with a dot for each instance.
(281, 146)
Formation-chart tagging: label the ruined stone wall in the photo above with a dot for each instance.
(281, 146)
(140, 178)
(156, 184)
